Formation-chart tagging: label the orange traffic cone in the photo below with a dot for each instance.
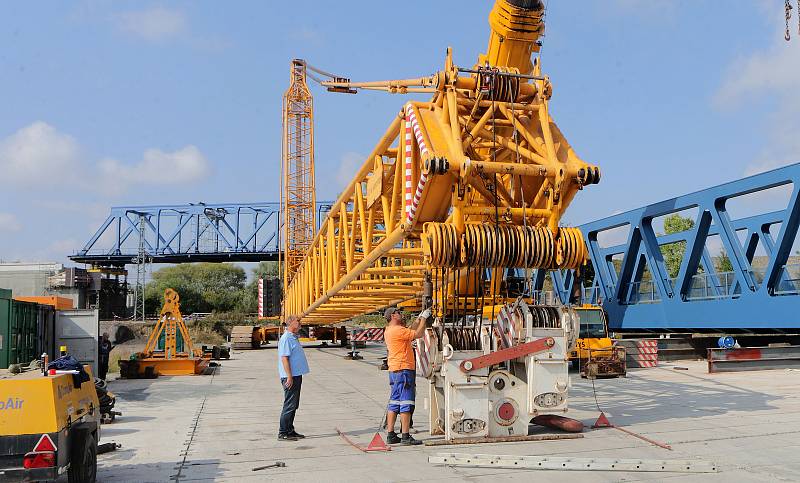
(378, 444)
(602, 422)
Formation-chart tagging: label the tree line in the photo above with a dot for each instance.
(208, 287)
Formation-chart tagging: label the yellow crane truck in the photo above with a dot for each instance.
(595, 352)
(49, 426)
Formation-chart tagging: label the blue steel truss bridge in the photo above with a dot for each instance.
(733, 264)
(198, 232)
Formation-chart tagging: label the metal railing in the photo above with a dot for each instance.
(711, 286)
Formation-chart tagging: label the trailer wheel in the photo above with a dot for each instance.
(83, 459)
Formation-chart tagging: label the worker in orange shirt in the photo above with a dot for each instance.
(402, 372)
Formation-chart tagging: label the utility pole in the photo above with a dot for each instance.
(141, 261)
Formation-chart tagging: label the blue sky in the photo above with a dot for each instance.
(98, 96)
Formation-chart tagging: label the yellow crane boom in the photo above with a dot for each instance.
(473, 181)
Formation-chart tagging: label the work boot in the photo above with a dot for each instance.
(297, 435)
(286, 437)
(392, 437)
(408, 440)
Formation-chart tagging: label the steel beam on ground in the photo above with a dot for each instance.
(573, 464)
(753, 359)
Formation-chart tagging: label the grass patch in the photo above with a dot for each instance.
(220, 323)
(205, 336)
(115, 357)
(369, 320)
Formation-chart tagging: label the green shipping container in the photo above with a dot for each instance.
(19, 324)
(5, 319)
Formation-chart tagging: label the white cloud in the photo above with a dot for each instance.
(153, 24)
(41, 155)
(775, 70)
(59, 249)
(9, 223)
(773, 74)
(38, 154)
(45, 174)
(156, 167)
(348, 167)
(308, 35)
(766, 163)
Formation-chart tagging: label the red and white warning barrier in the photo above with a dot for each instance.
(368, 335)
(260, 297)
(644, 353)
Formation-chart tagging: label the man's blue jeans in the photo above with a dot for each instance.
(291, 401)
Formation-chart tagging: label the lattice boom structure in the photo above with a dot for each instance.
(298, 199)
(459, 187)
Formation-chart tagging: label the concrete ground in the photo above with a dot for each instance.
(217, 428)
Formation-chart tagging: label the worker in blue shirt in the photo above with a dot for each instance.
(292, 365)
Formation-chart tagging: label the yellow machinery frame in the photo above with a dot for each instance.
(477, 177)
(170, 362)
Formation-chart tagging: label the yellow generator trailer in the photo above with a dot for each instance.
(595, 352)
(49, 426)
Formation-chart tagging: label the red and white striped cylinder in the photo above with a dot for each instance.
(409, 168)
(260, 297)
(412, 126)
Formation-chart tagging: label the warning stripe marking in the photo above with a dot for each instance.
(409, 167)
(260, 297)
(645, 353)
(422, 354)
(411, 207)
(369, 335)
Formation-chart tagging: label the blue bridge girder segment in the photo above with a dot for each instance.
(196, 232)
(743, 298)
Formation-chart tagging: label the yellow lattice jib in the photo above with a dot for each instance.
(458, 189)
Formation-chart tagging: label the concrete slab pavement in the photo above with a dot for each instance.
(217, 428)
